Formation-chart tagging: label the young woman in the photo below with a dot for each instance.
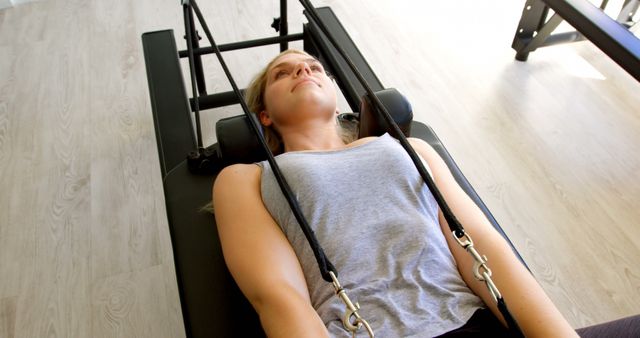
(376, 220)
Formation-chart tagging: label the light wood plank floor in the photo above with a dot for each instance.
(552, 146)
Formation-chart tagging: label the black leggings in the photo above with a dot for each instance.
(484, 324)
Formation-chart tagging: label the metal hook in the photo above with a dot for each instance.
(351, 311)
(361, 322)
(480, 262)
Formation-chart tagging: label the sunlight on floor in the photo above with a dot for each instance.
(576, 65)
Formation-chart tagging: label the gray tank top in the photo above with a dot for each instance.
(378, 224)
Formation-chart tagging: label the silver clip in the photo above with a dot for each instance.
(480, 262)
(351, 311)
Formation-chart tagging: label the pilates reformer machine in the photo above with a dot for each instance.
(613, 36)
(211, 303)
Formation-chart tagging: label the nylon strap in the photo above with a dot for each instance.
(513, 326)
(323, 262)
(454, 225)
(453, 222)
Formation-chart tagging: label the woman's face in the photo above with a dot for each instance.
(297, 87)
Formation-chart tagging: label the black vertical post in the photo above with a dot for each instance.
(284, 25)
(534, 16)
(188, 24)
(197, 61)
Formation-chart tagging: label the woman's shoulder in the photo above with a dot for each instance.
(239, 168)
(422, 147)
(238, 175)
(362, 141)
(415, 142)
(366, 140)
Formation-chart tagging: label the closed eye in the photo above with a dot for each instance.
(285, 68)
(280, 73)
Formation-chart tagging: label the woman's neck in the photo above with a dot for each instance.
(312, 138)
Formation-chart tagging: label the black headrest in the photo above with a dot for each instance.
(371, 121)
(238, 144)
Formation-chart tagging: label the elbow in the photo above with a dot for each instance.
(288, 315)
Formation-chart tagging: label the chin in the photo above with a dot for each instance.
(318, 102)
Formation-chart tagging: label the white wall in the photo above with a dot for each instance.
(5, 4)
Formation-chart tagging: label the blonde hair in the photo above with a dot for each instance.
(254, 95)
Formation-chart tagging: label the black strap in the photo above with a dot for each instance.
(454, 224)
(323, 262)
(513, 326)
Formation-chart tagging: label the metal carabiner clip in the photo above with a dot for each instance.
(480, 263)
(351, 311)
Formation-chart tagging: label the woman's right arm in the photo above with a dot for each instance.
(260, 258)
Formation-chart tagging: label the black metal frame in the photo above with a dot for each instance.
(611, 36)
(315, 43)
(279, 24)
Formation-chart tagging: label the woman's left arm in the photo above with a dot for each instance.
(536, 315)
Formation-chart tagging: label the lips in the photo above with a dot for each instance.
(304, 81)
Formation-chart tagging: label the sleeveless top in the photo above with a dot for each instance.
(377, 222)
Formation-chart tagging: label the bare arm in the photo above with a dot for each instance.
(260, 258)
(536, 315)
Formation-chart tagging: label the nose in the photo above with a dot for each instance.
(302, 68)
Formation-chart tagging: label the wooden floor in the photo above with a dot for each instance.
(551, 145)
